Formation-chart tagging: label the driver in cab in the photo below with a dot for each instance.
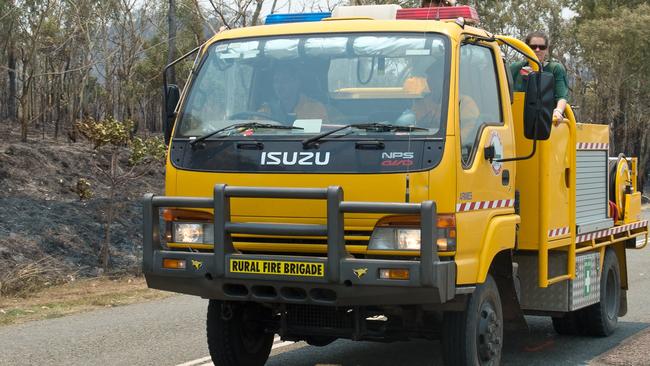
(290, 102)
(426, 111)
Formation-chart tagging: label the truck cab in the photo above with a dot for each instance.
(361, 177)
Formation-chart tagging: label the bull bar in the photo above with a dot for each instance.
(431, 280)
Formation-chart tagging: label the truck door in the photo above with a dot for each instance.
(485, 188)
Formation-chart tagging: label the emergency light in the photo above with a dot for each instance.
(468, 13)
(296, 17)
(438, 13)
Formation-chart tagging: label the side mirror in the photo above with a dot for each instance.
(171, 97)
(538, 106)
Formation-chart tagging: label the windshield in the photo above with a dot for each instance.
(318, 83)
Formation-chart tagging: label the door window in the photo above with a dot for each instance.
(479, 101)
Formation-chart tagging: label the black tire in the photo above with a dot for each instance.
(475, 336)
(241, 340)
(601, 319)
(569, 324)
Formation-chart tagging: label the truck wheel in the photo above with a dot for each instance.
(475, 336)
(569, 324)
(601, 319)
(241, 339)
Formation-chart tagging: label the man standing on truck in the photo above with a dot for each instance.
(290, 102)
(539, 43)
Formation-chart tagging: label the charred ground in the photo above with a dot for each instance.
(48, 233)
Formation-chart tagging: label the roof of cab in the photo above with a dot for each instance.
(345, 25)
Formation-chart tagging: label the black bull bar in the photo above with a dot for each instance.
(430, 280)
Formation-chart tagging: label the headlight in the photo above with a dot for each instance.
(393, 238)
(192, 232)
(408, 238)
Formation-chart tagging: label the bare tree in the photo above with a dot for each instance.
(12, 94)
(171, 40)
(34, 17)
(237, 13)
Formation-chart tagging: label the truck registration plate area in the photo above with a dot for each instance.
(306, 269)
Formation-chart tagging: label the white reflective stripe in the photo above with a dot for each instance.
(481, 205)
(592, 146)
(558, 231)
(614, 230)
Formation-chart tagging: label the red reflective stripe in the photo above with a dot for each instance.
(481, 205)
(614, 230)
(592, 146)
(558, 231)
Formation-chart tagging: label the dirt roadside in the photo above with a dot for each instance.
(75, 297)
(632, 352)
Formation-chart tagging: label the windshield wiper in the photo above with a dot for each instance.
(243, 125)
(376, 126)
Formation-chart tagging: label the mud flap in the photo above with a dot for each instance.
(506, 277)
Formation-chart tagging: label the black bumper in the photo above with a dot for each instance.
(340, 279)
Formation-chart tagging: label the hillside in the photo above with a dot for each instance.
(49, 234)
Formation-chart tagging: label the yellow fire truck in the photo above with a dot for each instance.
(370, 174)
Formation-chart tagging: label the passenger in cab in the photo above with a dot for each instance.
(539, 43)
(290, 102)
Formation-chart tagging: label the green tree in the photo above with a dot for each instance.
(614, 50)
(113, 140)
(517, 18)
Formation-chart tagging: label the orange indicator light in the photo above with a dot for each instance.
(174, 263)
(394, 273)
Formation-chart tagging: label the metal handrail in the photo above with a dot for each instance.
(544, 280)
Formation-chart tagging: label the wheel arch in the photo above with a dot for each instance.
(499, 238)
(505, 276)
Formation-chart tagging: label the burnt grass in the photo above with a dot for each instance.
(45, 221)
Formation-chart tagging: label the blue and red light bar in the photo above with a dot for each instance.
(440, 13)
(296, 18)
(434, 13)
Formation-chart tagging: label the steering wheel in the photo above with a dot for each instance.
(250, 114)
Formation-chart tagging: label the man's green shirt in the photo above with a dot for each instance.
(561, 84)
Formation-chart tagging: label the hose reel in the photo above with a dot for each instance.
(620, 183)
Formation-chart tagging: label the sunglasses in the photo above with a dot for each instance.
(541, 47)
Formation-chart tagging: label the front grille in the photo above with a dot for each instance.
(356, 241)
(322, 317)
(352, 237)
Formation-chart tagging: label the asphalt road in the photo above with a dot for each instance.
(172, 332)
